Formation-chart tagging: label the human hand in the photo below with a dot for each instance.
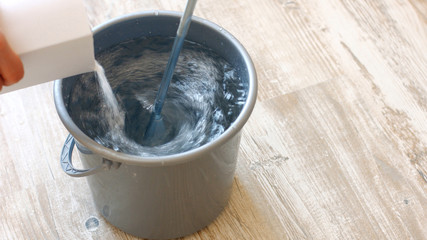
(11, 67)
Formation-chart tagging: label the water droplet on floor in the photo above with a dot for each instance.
(106, 211)
(92, 224)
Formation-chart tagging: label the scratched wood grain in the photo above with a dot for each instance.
(336, 147)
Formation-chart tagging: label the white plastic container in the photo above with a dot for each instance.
(52, 37)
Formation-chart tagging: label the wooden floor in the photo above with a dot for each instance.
(336, 147)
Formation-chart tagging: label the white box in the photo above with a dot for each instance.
(52, 37)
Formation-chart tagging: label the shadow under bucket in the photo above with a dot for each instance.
(166, 196)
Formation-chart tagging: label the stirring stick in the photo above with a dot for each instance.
(156, 129)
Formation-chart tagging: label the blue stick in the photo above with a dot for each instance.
(156, 129)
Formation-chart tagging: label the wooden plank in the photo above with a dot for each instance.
(327, 170)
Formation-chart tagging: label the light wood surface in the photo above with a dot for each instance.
(336, 147)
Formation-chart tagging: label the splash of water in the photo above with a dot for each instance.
(204, 98)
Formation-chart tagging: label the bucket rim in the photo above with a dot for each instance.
(177, 158)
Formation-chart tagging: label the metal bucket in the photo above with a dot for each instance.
(167, 196)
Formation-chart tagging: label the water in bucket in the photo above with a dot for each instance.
(204, 98)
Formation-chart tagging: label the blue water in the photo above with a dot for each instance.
(205, 96)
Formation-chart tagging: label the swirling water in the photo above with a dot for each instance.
(205, 96)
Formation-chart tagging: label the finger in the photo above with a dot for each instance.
(11, 67)
(1, 82)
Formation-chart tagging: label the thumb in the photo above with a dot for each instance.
(11, 67)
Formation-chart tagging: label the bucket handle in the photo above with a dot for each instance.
(67, 165)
